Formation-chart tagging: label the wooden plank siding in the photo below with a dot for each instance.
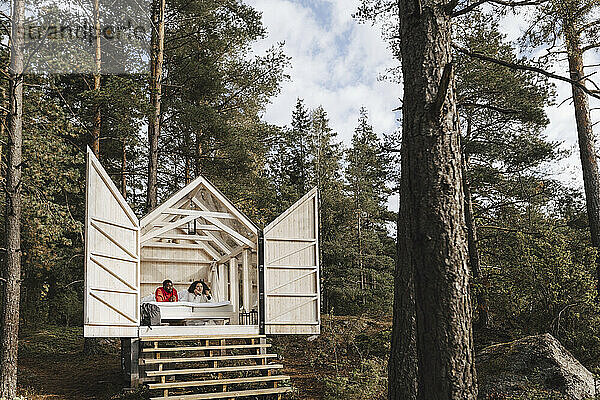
(292, 270)
(111, 276)
(126, 259)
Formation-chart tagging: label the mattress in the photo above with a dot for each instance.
(188, 310)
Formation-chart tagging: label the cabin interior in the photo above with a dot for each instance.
(197, 234)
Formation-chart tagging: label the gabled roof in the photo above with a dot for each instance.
(195, 184)
(200, 199)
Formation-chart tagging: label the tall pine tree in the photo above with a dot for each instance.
(367, 174)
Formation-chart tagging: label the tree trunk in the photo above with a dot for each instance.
(156, 66)
(402, 365)
(474, 264)
(432, 244)
(124, 171)
(359, 243)
(97, 70)
(585, 136)
(12, 286)
(198, 151)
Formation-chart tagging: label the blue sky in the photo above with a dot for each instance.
(336, 62)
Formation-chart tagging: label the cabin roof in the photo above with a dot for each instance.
(224, 227)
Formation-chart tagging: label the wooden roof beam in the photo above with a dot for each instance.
(238, 237)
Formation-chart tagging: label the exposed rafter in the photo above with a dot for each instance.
(238, 237)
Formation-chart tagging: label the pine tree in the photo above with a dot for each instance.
(154, 120)
(13, 186)
(502, 119)
(326, 173)
(215, 87)
(300, 137)
(575, 23)
(367, 174)
(432, 307)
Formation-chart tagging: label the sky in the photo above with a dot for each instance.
(335, 62)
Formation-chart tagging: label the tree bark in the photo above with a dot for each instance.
(402, 365)
(432, 244)
(156, 67)
(198, 151)
(474, 264)
(12, 286)
(585, 136)
(124, 170)
(97, 70)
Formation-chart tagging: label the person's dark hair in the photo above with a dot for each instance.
(167, 281)
(193, 286)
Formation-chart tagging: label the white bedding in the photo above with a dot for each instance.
(200, 311)
(189, 304)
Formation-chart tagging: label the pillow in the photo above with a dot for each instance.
(147, 299)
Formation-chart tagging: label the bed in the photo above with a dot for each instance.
(184, 310)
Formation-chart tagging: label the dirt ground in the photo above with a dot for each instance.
(52, 366)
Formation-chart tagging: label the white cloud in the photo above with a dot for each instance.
(335, 63)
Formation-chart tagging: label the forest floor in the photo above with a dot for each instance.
(335, 364)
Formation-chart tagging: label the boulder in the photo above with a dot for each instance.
(532, 365)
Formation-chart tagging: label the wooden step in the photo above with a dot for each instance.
(148, 361)
(211, 370)
(226, 395)
(213, 382)
(205, 337)
(199, 348)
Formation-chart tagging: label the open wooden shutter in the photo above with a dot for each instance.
(112, 261)
(292, 290)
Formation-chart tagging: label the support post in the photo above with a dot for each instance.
(246, 280)
(234, 289)
(261, 282)
(130, 361)
(223, 282)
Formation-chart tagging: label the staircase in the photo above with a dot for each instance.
(211, 367)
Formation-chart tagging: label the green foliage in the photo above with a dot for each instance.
(367, 381)
(368, 280)
(215, 90)
(348, 359)
(541, 278)
(357, 251)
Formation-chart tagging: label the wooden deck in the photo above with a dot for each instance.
(145, 332)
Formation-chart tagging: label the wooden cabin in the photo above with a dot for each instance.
(265, 282)
(198, 234)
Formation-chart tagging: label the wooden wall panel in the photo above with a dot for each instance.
(292, 270)
(181, 273)
(111, 258)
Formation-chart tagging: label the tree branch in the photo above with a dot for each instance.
(489, 107)
(72, 283)
(501, 228)
(586, 26)
(590, 47)
(442, 91)
(473, 6)
(508, 64)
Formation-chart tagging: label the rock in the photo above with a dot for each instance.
(534, 364)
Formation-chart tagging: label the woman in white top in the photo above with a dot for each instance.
(198, 292)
